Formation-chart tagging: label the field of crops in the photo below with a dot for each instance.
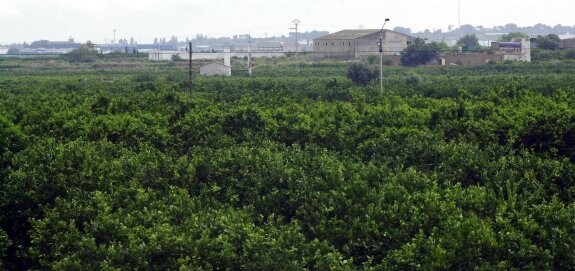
(448, 169)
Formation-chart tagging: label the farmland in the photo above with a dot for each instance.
(112, 166)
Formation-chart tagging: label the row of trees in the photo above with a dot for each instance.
(420, 52)
(484, 32)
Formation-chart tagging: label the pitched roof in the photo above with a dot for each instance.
(351, 34)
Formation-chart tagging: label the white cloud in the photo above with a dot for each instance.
(7, 10)
(142, 5)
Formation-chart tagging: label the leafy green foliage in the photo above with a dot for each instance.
(549, 42)
(372, 59)
(469, 43)
(569, 54)
(419, 53)
(177, 58)
(361, 73)
(5, 243)
(413, 79)
(551, 133)
(512, 35)
(85, 53)
(538, 55)
(451, 169)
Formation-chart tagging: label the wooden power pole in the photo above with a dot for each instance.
(190, 76)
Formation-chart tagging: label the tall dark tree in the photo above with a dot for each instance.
(419, 53)
(85, 53)
(469, 43)
(549, 42)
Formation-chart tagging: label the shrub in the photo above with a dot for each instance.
(144, 77)
(176, 58)
(85, 53)
(5, 243)
(538, 54)
(372, 59)
(569, 54)
(361, 74)
(413, 79)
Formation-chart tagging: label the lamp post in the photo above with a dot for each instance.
(296, 22)
(381, 55)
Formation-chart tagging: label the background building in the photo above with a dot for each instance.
(516, 50)
(357, 43)
(567, 43)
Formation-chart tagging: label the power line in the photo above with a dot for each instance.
(118, 55)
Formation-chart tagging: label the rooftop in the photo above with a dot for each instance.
(351, 34)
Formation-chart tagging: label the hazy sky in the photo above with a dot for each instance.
(28, 20)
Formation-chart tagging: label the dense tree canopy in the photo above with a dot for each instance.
(361, 73)
(85, 53)
(512, 35)
(419, 53)
(459, 169)
(549, 42)
(469, 43)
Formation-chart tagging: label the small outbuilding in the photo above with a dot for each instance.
(213, 69)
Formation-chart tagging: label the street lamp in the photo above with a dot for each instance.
(381, 55)
(296, 22)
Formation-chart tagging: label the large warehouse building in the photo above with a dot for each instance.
(357, 43)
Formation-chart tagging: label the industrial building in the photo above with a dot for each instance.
(567, 43)
(516, 50)
(358, 43)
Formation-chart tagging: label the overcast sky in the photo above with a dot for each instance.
(29, 20)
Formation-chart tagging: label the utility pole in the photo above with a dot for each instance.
(190, 77)
(249, 55)
(296, 22)
(381, 55)
(459, 13)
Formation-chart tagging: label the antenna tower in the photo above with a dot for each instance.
(459, 13)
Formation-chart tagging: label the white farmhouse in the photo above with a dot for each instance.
(216, 69)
